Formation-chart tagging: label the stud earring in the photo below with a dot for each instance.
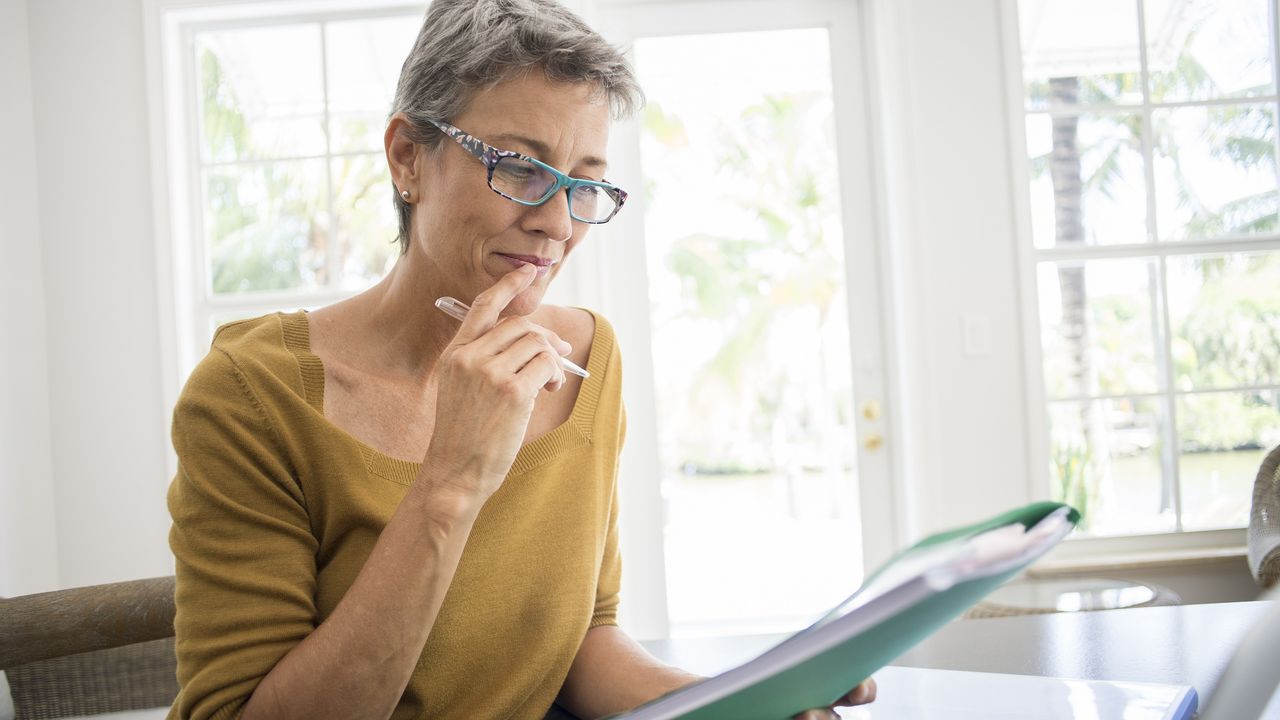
(404, 194)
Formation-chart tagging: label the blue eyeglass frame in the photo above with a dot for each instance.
(490, 155)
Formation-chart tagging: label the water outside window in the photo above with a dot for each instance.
(750, 329)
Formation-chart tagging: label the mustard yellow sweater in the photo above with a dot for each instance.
(275, 510)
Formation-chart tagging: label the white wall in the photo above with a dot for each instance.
(107, 430)
(952, 242)
(28, 540)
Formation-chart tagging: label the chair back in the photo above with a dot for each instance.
(90, 650)
(1264, 522)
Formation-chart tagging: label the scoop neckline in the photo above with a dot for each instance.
(575, 431)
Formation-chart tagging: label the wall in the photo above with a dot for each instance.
(107, 430)
(28, 539)
(952, 233)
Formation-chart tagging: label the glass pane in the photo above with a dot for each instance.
(1203, 49)
(1224, 312)
(261, 93)
(1105, 460)
(1079, 52)
(363, 65)
(1223, 437)
(266, 226)
(1087, 180)
(1097, 328)
(1215, 171)
(750, 340)
(366, 222)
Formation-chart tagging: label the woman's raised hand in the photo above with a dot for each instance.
(489, 377)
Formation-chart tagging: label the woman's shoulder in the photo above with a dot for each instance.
(257, 334)
(581, 328)
(253, 350)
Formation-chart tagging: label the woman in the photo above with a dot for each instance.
(382, 512)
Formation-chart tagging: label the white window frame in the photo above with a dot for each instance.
(1180, 543)
(187, 306)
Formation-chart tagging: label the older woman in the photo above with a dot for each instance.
(383, 512)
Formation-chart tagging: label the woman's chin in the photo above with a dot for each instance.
(526, 302)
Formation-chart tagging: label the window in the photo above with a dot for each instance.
(753, 378)
(1151, 151)
(290, 192)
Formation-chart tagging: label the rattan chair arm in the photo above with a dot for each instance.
(68, 622)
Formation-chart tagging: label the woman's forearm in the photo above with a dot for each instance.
(612, 672)
(357, 663)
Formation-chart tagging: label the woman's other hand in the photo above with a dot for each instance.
(861, 695)
(490, 376)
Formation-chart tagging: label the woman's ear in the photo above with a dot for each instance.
(402, 154)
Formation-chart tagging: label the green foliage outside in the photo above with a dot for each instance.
(267, 223)
(787, 270)
(1225, 331)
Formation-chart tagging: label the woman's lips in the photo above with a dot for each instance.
(542, 264)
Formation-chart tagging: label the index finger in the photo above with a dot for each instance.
(490, 303)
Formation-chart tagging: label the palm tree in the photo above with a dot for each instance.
(1246, 139)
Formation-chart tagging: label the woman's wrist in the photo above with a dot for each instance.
(444, 500)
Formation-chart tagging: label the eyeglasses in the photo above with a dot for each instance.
(527, 181)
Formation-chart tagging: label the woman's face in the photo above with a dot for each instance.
(469, 235)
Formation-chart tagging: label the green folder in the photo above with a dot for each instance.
(917, 592)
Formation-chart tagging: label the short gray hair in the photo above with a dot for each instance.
(467, 45)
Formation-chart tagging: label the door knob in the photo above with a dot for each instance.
(871, 410)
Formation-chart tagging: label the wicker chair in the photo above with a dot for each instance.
(98, 649)
(90, 650)
(1264, 522)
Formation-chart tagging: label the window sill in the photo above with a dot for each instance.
(1145, 560)
(1083, 555)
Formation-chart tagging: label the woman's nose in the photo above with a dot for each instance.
(551, 218)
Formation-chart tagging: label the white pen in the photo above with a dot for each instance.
(458, 310)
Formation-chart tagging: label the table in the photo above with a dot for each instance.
(1177, 644)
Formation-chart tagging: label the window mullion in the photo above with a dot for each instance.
(332, 259)
(1158, 286)
(252, 161)
(1148, 143)
(1117, 109)
(1273, 14)
(200, 289)
(1261, 242)
(1163, 334)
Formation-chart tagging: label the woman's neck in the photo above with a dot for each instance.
(393, 327)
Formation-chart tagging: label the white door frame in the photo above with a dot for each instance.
(611, 275)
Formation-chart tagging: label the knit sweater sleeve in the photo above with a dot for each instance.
(608, 586)
(613, 422)
(242, 542)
